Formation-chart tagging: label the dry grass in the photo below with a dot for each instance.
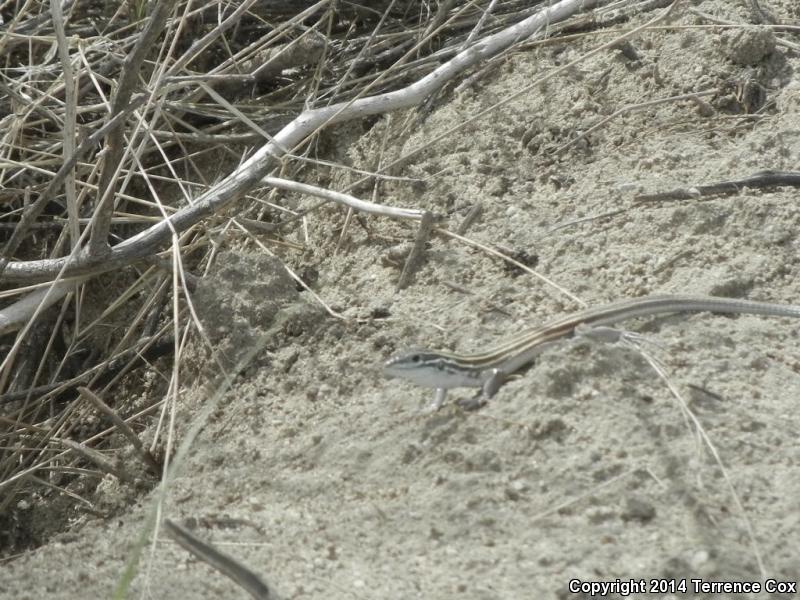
(114, 118)
(134, 145)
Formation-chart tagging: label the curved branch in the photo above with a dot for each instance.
(249, 174)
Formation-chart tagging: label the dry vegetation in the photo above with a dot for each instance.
(117, 115)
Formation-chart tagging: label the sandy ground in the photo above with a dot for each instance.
(328, 479)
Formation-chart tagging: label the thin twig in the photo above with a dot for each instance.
(70, 94)
(516, 263)
(760, 180)
(479, 25)
(345, 199)
(414, 258)
(229, 567)
(115, 142)
(472, 214)
(97, 459)
(122, 427)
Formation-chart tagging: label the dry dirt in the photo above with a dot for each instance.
(329, 480)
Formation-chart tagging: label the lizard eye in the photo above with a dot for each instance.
(415, 358)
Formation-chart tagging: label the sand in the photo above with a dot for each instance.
(331, 482)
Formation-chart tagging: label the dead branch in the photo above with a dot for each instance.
(250, 173)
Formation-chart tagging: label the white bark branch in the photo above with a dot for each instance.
(344, 199)
(249, 174)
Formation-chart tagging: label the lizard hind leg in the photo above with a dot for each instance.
(493, 383)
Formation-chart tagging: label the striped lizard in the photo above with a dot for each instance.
(490, 369)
